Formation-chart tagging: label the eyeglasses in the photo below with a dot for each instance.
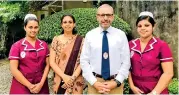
(103, 15)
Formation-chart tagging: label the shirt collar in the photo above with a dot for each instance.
(28, 47)
(101, 29)
(149, 46)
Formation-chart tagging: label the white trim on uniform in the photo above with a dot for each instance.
(23, 43)
(151, 45)
(13, 57)
(166, 58)
(41, 46)
(133, 48)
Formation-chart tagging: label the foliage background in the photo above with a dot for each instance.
(85, 21)
(9, 12)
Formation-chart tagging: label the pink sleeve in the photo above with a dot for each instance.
(165, 53)
(47, 50)
(14, 53)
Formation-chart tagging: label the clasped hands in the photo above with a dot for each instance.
(68, 81)
(35, 88)
(138, 91)
(105, 87)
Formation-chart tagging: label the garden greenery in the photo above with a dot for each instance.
(9, 11)
(173, 86)
(85, 21)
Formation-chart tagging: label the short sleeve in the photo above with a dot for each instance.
(47, 50)
(165, 53)
(54, 43)
(14, 53)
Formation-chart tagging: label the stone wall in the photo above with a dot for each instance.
(165, 15)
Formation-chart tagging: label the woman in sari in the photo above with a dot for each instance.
(64, 59)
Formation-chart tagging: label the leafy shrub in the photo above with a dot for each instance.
(85, 21)
(9, 12)
(173, 86)
(126, 87)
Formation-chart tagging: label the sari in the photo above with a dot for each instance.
(68, 59)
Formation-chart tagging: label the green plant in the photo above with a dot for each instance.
(173, 86)
(85, 21)
(9, 12)
(126, 87)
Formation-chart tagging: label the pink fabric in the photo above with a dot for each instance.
(31, 63)
(148, 63)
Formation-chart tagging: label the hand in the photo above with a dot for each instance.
(55, 87)
(66, 80)
(70, 83)
(153, 92)
(37, 88)
(56, 83)
(110, 84)
(101, 88)
(136, 90)
(31, 87)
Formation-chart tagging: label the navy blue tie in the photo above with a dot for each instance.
(105, 70)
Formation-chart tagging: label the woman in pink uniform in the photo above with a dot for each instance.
(151, 60)
(29, 63)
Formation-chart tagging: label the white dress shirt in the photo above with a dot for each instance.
(119, 54)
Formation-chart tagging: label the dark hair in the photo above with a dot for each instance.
(29, 19)
(74, 30)
(150, 19)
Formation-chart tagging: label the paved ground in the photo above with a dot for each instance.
(6, 77)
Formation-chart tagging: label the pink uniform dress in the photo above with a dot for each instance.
(31, 64)
(146, 66)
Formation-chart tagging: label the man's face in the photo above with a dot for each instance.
(105, 16)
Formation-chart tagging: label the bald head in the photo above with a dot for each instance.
(105, 16)
(105, 7)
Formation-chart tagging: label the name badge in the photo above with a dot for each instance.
(105, 55)
(23, 54)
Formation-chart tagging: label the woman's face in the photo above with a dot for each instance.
(68, 24)
(31, 28)
(144, 28)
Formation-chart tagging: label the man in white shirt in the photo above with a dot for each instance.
(117, 55)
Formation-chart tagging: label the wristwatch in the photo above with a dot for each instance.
(118, 82)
